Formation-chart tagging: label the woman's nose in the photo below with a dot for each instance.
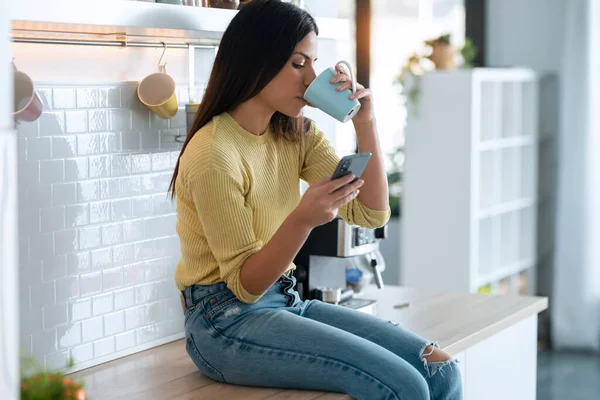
(310, 76)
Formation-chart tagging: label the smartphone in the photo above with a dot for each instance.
(353, 164)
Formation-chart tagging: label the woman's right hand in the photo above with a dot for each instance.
(321, 201)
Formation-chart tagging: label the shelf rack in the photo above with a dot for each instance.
(470, 200)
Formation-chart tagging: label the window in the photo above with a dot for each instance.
(398, 28)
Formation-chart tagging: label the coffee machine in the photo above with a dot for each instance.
(337, 261)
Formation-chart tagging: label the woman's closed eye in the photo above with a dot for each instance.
(297, 66)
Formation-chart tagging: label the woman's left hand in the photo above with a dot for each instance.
(364, 95)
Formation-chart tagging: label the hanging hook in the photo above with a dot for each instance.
(161, 67)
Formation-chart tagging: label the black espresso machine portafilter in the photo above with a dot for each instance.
(337, 261)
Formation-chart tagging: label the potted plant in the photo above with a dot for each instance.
(38, 384)
(442, 52)
(437, 54)
(394, 177)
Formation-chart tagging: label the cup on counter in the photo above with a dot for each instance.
(322, 94)
(27, 104)
(157, 92)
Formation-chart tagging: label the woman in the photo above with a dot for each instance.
(241, 221)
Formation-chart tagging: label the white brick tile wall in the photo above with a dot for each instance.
(26, 344)
(83, 353)
(39, 148)
(124, 298)
(102, 304)
(65, 241)
(90, 283)
(67, 288)
(92, 329)
(64, 194)
(52, 123)
(76, 215)
(63, 98)
(34, 272)
(142, 206)
(97, 238)
(55, 315)
(135, 317)
(52, 171)
(69, 335)
(100, 211)
(46, 97)
(57, 360)
(76, 122)
(125, 340)
(114, 323)
(88, 98)
(101, 258)
(80, 310)
(41, 294)
(44, 342)
(123, 254)
(53, 219)
(104, 347)
(54, 268)
(64, 146)
(78, 263)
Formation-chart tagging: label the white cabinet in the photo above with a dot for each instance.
(503, 366)
(470, 188)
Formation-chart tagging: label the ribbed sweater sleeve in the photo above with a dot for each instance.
(321, 160)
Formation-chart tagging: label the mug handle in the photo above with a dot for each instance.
(352, 78)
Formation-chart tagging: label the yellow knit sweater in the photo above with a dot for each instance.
(234, 189)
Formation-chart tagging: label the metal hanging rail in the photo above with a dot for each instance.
(108, 43)
(109, 39)
(122, 40)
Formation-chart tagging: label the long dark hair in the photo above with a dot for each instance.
(254, 48)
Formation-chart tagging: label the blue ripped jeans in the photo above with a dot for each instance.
(281, 341)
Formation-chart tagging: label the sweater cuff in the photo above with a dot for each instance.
(246, 297)
(370, 218)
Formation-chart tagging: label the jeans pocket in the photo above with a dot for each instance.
(188, 312)
(200, 362)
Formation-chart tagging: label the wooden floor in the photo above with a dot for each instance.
(167, 372)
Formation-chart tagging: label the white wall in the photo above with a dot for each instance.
(5, 73)
(576, 287)
(525, 33)
(559, 38)
(9, 327)
(531, 34)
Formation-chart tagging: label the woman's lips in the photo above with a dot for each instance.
(306, 102)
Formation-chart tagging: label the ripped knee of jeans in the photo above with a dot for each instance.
(436, 360)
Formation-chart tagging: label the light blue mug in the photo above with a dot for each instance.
(322, 94)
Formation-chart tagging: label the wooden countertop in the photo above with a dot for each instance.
(456, 320)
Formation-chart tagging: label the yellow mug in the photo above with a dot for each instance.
(157, 92)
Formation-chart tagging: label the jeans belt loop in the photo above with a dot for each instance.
(187, 294)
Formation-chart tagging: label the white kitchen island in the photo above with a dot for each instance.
(494, 338)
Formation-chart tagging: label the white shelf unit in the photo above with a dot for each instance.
(470, 187)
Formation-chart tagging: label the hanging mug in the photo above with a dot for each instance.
(27, 104)
(322, 94)
(157, 92)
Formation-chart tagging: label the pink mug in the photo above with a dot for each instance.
(28, 106)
